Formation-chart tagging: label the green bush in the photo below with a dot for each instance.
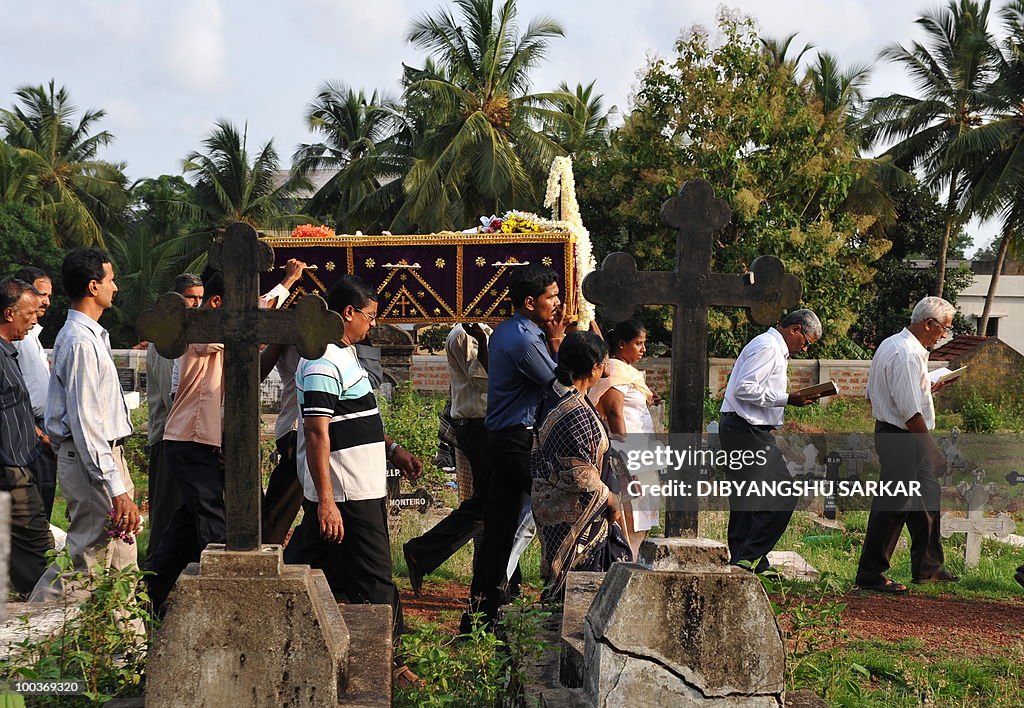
(475, 669)
(411, 419)
(104, 646)
(978, 415)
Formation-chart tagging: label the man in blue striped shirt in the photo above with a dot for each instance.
(87, 420)
(19, 441)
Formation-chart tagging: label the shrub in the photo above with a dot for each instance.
(979, 416)
(475, 669)
(104, 646)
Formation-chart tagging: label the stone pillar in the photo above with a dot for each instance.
(242, 628)
(682, 628)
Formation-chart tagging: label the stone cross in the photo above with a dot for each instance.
(976, 525)
(955, 460)
(617, 287)
(242, 326)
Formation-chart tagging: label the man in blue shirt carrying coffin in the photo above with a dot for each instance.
(522, 353)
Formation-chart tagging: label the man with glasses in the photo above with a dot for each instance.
(752, 408)
(901, 403)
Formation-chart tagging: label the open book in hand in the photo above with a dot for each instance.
(944, 375)
(829, 388)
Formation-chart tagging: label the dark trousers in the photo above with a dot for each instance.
(458, 528)
(902, 458)
(509, 451)
(164, 497)
(755, 523)
(30, 529)
(44, 472)
(359, 568)
(197, 522)
(283, 498)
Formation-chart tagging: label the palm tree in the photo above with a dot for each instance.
(840, 93)
(486, 149)
(81, 198)
(952, 70)
(587, 126)
(228, 187)
(159, 243)
(994, 152)
(366, 147)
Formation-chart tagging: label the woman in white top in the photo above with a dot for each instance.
(623, 399)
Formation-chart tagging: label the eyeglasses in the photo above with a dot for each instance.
(807, 342)
(946, 329)
(369, 318)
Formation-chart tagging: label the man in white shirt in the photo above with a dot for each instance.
(87, 419)
(901, 403)
(752, 408)
(35, 368)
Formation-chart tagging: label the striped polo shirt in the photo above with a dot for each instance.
(337, 387)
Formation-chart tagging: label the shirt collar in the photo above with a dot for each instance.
(780, 341)
(8, 348)
(527, 325)
(93, 326)
(915, 343)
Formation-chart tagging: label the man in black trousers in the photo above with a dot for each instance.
(753, 406)
(466, 351)
(521, 361)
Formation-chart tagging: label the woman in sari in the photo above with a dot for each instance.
(574, 509)
(623, 399)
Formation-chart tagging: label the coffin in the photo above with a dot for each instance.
(447, 277)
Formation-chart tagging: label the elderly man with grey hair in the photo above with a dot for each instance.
(752, 408)
(901, 403)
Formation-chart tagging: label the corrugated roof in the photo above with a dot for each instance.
(957, 347)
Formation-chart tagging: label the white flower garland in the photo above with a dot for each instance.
(561, 191)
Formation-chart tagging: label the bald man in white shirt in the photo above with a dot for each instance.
(901, 403)
(753, 406)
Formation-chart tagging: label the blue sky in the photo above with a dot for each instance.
(164, 72)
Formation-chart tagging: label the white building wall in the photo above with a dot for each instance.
(1008, 306)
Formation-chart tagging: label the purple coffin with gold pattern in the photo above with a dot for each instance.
(448, 277)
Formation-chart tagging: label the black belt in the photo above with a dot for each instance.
(467, 422)
(119, 442)
(730, 414)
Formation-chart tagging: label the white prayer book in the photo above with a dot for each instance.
(945, 374)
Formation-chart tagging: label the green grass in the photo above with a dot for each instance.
(908, 674)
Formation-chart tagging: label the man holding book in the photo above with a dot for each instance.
(901, 403)
(753, 407)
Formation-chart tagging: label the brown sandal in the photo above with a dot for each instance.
(403, 677)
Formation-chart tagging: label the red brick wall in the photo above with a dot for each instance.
(430, 373)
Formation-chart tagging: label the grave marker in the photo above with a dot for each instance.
(617, 288)
(955, 460)
(243, 327)
(976, 525)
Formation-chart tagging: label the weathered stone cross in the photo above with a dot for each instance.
(976, 525)
(242, 326)
(618, 288)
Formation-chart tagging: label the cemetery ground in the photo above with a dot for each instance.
(958, 644)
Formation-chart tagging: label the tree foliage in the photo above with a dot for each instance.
(51, 162)
(730, 112)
